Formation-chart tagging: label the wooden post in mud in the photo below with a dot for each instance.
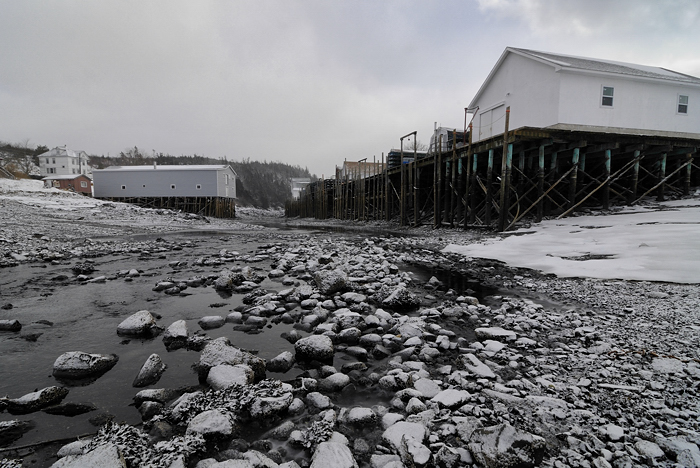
(606, 188)
(540, 183)
(468, 185)
(446, 190)
(686, 185)
(435, 190)
(635, 178)
(402, 193)
(472, 201)
(416, 191)
(662, 176)
(387, 192)
(439, 189)
(506, 161)
(489, 188)
(505, 188)
(453, 182)
(573, 177)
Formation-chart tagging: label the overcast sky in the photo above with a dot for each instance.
(309, 83)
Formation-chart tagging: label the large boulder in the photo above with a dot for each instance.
(406, 439)
(36, 400)
(10, 325)
(314, 347)
(220, 351)
(266, 407)
(13, 430)
(225, 375)
(81, 365)
(503, 446)
(333, 454)
(104, 456)
(281, 363)
(451, 398)
(150, 372)
(211, 424)
(330, 282)
(176, 335)
(142, 323)
(399, 298)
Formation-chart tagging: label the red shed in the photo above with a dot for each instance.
(75, 183)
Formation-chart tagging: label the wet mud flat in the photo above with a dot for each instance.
(453, 354)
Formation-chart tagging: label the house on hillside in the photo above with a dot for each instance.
(165, 181)
(76, 183)
(565, 92)
(62, 161)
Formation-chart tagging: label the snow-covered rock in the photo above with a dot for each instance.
(150, 372)
(315, 347)
(333, 454)
(225, 375)
(503, 446)
(36, 400)
(142, 323)
(79, 365)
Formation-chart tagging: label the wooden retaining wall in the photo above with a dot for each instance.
(217, 207)
(525, 174)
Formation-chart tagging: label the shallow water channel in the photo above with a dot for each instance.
(59, 314)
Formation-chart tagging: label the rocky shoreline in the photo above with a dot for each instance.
(547, 372)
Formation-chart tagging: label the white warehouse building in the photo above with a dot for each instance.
(564, 92)
(165, 181)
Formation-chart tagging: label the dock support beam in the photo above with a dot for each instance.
(540, 183)
(662, 176)
(505, 188)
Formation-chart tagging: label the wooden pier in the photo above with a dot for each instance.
(216, 207)
(524, 174)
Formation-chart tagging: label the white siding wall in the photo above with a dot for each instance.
(158, 182)
(226, 184)
(637, 104)
(533, 98)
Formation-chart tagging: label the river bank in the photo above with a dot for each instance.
(419, 356)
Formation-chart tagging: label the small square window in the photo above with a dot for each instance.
(608, 92)
(83, 184)
(199, 186)
(682, 104)
(172, 186)
(123, 187)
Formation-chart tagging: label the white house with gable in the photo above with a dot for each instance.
(546, 90)
(62, 161)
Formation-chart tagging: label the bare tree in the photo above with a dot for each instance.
(411, 145)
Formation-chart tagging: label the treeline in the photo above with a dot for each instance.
(259, 184)
(19, 159)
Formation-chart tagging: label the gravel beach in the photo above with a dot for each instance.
(389, 351)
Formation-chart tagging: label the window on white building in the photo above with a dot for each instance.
(682, 104)
(73, 171)
(47, 160)
(53, 160)
(607, 98)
